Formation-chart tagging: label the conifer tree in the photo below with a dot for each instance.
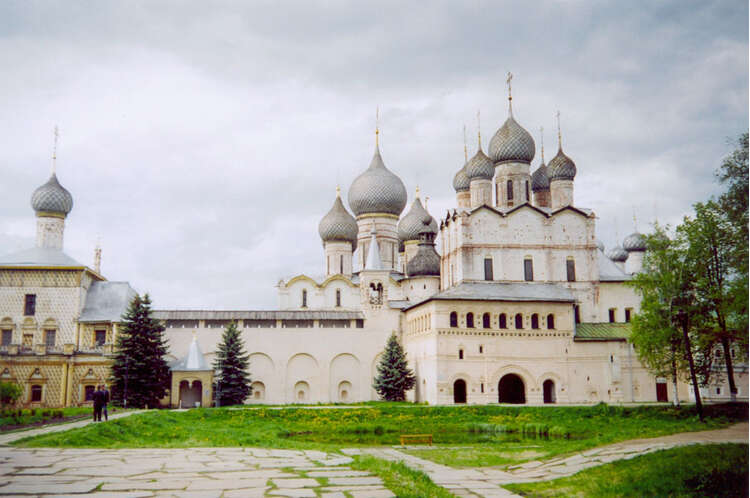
(394, 376)
(233, 381)
(140, 374)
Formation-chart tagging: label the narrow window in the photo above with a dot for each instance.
(503, 321)
(36, 393)
(304, 298)
(510, 190)
(7, 337)
(470, 320)
(534, 321)
(460, 354)
(338, 298)
(454, 319)
(486, 321)
(528, 270)
(612, 315)
(49, 338)
(488, 268)
(328, 264)
(550, 321)
(628, 312)
(481, 387)
(29, 308)
(519, 321)
(481, 349)
(570, 265)
(577, 313)
(527, 191)
(341, 264)
(99, 337)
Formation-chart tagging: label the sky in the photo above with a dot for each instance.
(203, 141)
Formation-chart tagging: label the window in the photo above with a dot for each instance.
(534, 321)
(481, 349)
(550, 321)
(88, 393)
(338, 298)
(36, 393)
(341, 263)
(30, 305)
(486, 321)
(460, 354)
(503, 321)
(577, 313)
(612, 315)
(527, 191)
(470, 320)
(570, 265)
(628, 314)
(488, 268)
(528, 270)
(7, 337)
(510, 190)
(100, 336)
(49, 338)
(454, 319)
(328, 264)
(304, 298)
(519, 321)
(360, 323)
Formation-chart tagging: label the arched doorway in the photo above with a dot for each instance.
(549, 391)
(459, 391)
(190, 394)
(510, 389)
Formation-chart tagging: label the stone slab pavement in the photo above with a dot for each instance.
(487, 481)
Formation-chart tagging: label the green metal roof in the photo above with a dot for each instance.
(602, 331)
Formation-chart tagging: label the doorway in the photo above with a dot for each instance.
(549, 391)
(510, 389)
(459, 391)
(661, 392)
(190, 394)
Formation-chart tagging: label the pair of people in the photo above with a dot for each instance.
(100, 398)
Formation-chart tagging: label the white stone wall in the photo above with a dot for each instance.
(518, 174)
(561, 193)
(49, 232)
(338, 258)
(386, 227)
(319, 295)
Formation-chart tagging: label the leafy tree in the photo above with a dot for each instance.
(10, 392)
(140, 374)
(233, 382)
(394, 377)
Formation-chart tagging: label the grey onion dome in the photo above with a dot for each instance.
(338, 224)
(561, 167)
(427, 261)
(52, 198)
(634, 242)
(377, 190)
(461, 181)
(617, 254)
(539, 179)
(411, 224)
(512, 143)
(480, 167)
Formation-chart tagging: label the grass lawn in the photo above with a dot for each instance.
(490, 434)
(699, 470)
(403, 481)
(20, 419)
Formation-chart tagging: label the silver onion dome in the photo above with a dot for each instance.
(52, 198)
(377, 190)
(539, 179)
(617, 254)
(427, 261)
(561, 167)
(480, 166)
(634, 242)
(411, 224)
(461, 181)
(512, 143)
(338, 224)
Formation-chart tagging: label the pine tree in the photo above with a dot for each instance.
(233, 381)
(140, 374)
(394, 376)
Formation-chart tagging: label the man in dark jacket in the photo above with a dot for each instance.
(105, 400)
(98, 403)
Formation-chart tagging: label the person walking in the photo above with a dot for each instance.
(105, 400)
(98, 402)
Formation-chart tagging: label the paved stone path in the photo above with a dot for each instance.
(487, 481)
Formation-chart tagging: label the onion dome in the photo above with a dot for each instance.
(539, 179)
(617, 254)
(600, 245)
(480, 167)
(634, 242)
(512, 143)
(411, 225)
(561, 167)
(377, 190)
(52, 198)
(338, 224)
(461, 181)
(427, 261)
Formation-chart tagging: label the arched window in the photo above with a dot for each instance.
(304, 298)
(486, 321)
(470, 320)
(519, 321)
(510, 189)
(454, 319)
(534, 321)
(528, 270)
(338, 298)
(550, 321)
(503, 321)
(527, 191)
(460, 354)
(341, 263)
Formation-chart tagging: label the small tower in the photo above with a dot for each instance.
(561, 171)
(540, 180)
(635, 245)
(338, 231)
(423, 270)
(480, 171)
(373, 279)
(52, 203)
(410, 227)
(98, 258)
(461, 182)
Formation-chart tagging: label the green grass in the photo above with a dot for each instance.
(400, 479)
(699, 470)
(11, 418)
(492, 430)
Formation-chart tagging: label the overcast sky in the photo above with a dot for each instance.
(203, 141)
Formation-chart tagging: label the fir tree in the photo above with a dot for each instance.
(140, 374)
(394, 376)
(233, 381)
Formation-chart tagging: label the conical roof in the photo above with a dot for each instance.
(194, 360)
(338, 224)
(512, 143)
(52, 198)
(411, 225)
(377, 190)
(373, 253)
